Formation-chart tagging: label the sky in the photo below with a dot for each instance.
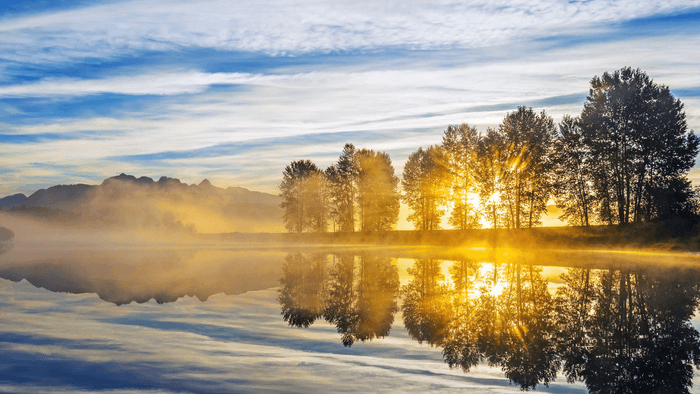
(234, 91)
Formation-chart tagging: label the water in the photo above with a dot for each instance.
(278, 319)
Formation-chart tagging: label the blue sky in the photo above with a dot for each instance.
(234, 91)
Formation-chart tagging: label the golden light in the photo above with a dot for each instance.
(494, 198)
(497, 289)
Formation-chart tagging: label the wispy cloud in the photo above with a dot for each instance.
(233, 92)
(286, 27)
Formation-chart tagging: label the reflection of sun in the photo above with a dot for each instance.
(497, 289)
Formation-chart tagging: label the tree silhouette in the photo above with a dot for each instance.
(461, 344)
(425, 187)
(516, 330)
(342, 180)
(460, 144)
(491, 173)
(573, 188)
(377, 187)
(640, 145)
(527, 139)
(304, 200)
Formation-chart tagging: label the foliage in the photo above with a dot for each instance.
(342, 185)
(426, 307)
(624, 159)
(302, 292)
(377, 191)
(304, 201)
(573, 187)
(459, 144)
(424, 186)
(640, 147)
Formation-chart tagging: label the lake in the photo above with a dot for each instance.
(276, 318)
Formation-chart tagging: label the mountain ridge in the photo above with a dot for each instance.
(125, 199)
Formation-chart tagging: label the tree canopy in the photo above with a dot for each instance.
(624, 159)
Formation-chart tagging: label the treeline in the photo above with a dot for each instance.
(624, 159)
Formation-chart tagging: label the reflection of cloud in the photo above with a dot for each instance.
(79, 343)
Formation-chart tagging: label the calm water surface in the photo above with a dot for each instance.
(245, 319)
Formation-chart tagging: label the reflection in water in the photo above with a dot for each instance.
(505, 320)
(426, 308)
(123, 276)
(617, 330)
(629, 332)
(356, 294)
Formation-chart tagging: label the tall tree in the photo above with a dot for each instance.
(425, 188)
(460, 144)
(492, 175)
(640, 144)
(528, 141)
(573, 186)
(304, 197)
(377, 191)
(342, 184)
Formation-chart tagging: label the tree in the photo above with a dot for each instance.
(342, 186)
(573, 186)
(491, 174)
(425, 189)
(640, 145)
(377, 191)
(460, 143)
(528, 138)
(303, 193)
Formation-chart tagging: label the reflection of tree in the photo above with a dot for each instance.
(508, 320)
(617, 331)
(628, 332)
(426, 306)
(461, 347)
(516, 328)
(358, 296)
(362, 301)
(302, 292)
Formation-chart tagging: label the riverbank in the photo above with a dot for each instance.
(664, 236)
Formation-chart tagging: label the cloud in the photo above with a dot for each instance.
(191, 106)
(289, 27)
(148, 84)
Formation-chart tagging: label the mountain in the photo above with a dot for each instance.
(13, 201)
(127, 201)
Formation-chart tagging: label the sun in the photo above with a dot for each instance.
(497, 289)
